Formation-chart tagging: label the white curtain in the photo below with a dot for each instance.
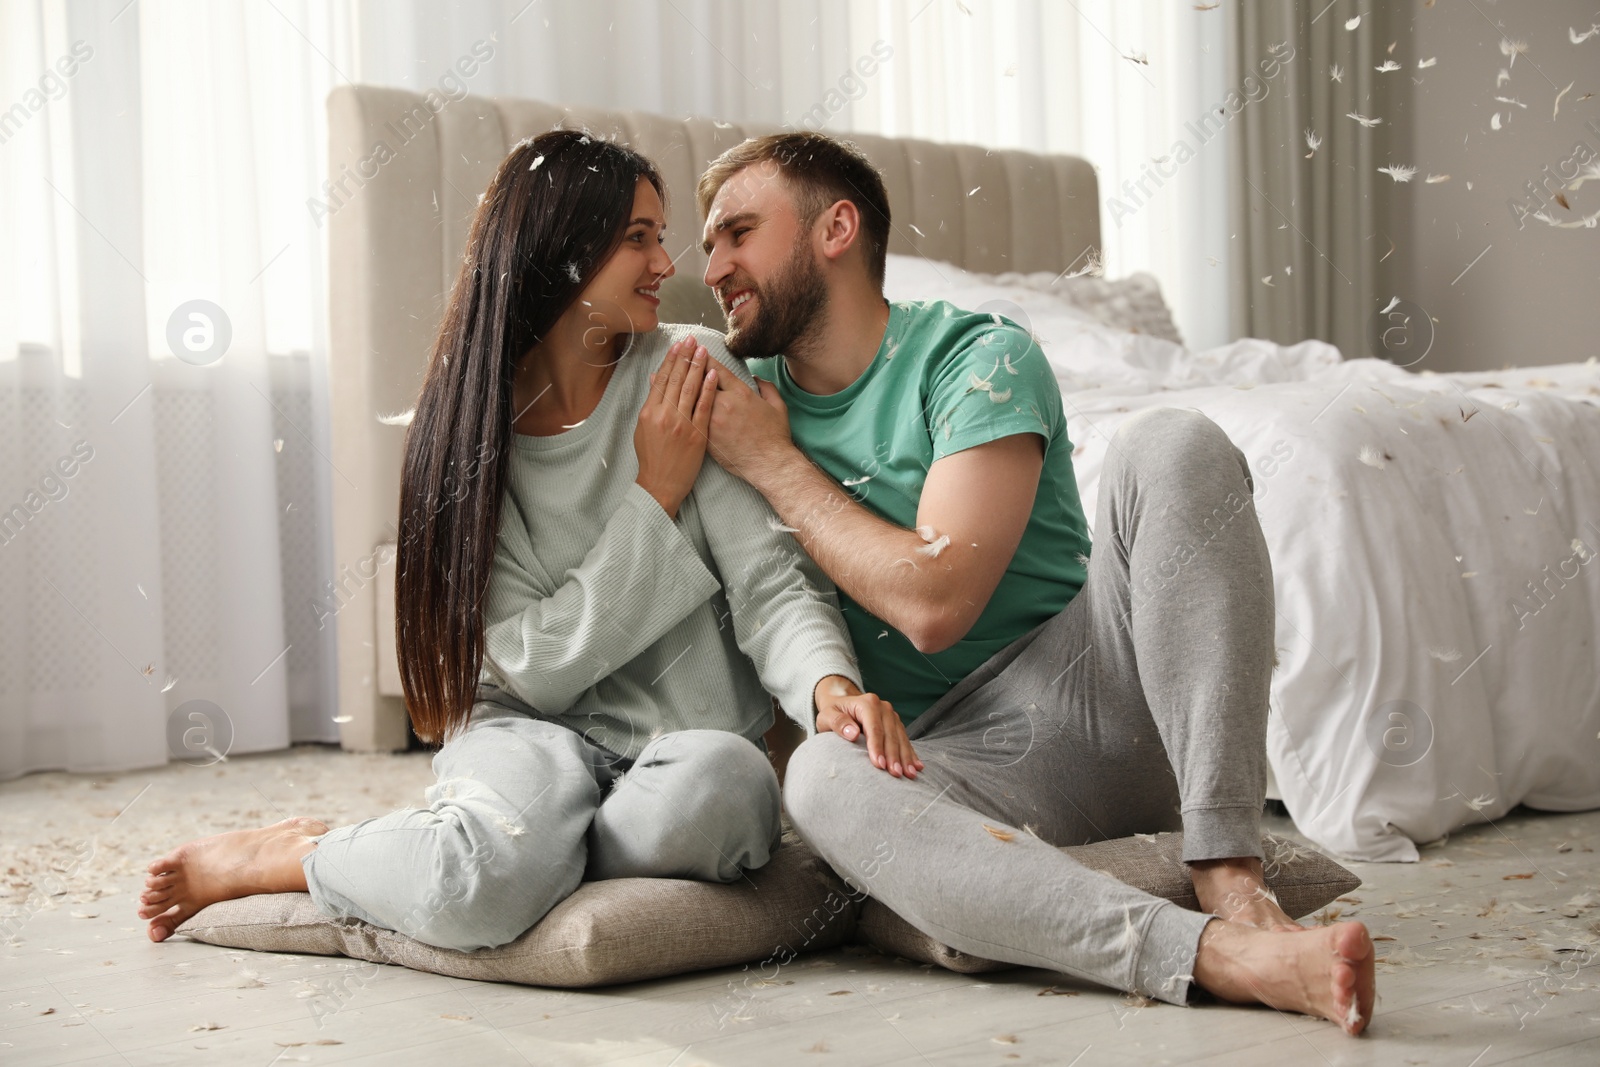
(164, 531)
(163, 526)
(1113, 81)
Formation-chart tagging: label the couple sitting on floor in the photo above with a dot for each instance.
(591, 617)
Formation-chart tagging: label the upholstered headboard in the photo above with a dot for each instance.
(404, 180)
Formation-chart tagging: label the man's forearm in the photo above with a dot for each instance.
(873, 560)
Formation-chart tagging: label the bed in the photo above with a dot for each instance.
(1408, 514)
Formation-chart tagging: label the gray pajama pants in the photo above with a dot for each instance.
(523, 809)
(1141, 707)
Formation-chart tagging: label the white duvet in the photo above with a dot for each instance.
(1434, 541)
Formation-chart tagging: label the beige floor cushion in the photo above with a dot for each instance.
(1302, 879)
(618, 930)
(632, 929)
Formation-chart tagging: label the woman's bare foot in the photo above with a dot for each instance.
(237, 864)
(1326, 972)
(1236, 890)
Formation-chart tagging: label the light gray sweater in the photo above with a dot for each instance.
(607, 615)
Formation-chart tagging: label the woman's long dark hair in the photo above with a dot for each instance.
(555, 211)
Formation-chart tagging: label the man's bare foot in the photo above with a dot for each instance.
(1326, 972)
(237, 864)
(1236, 890)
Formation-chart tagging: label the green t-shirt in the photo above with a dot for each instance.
(945, 380)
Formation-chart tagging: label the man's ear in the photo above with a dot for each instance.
(841, 228)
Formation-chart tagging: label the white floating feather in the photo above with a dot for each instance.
(1587, 222)
(1557, 110)
(1094, 266)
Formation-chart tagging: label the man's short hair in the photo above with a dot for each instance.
(820, 172)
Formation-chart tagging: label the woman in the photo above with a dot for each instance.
(589, 616)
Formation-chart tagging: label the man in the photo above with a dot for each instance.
(1058, 696)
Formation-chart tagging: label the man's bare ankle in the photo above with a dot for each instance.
(1227, 875)
(1235, 889)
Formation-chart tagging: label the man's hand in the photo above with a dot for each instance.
(750, 430)
(848, 712)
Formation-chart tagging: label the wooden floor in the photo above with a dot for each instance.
(1488, 957)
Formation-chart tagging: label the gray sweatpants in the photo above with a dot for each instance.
(523, 809)
(1141, 707)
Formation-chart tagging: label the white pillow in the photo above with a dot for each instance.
(1133, 303)
(1086, 352)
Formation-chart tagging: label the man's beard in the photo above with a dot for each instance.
(786, 308)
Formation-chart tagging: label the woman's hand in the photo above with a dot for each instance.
(848, 712)
(670, 439)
